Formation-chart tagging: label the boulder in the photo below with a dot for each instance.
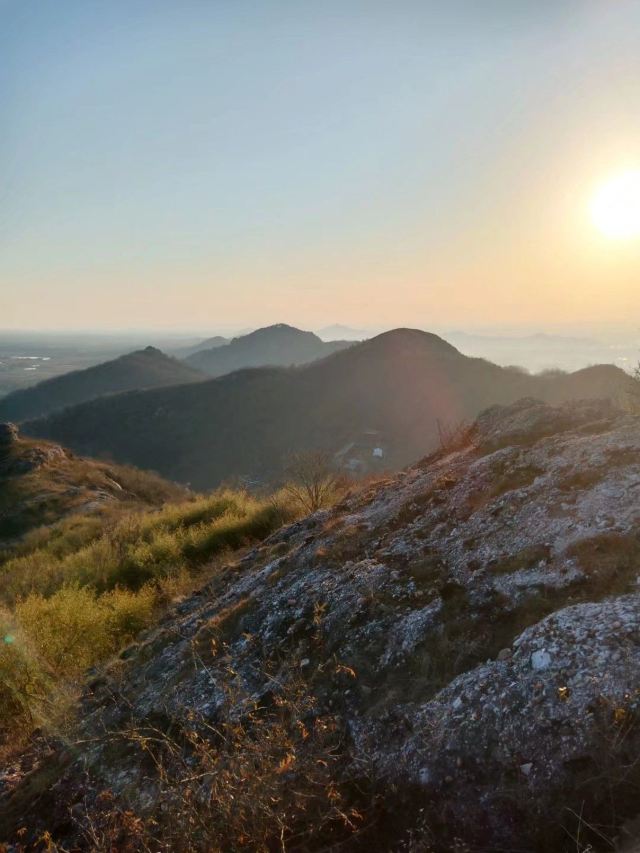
(8, 435)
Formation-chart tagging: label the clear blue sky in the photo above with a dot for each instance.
(195, 164)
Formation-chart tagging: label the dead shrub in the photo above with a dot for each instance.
(311, 480)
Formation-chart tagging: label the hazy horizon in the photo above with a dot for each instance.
(534, 348)
(630, 329)
(280, 162)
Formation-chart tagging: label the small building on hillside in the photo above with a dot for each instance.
(365, 454)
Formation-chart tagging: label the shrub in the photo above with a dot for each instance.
(127, 613)
(22, 687)
(68, 630)
(454, 436)
(75, 628)
(312, 482)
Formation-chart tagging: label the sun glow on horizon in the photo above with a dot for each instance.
(615, 207)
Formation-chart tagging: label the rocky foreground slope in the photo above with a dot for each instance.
(471, 627)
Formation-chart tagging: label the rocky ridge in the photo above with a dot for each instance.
(42, 483)
(473, 623)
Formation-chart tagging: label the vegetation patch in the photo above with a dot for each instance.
(611, 562)
(349, 544)
(221, 628)
(275, 779)
(527, 558)
(76, 594)
(430, 568)
(506, 479)
(621, 457)
(41, 484)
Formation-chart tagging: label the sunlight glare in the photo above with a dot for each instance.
(615, 207)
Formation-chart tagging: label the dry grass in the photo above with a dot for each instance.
(609, 560)
(274, 777)
(51, 485)
(75, 593)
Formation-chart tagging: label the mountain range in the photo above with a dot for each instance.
(344, 333)
(395, 394)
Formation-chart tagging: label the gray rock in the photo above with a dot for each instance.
(8, 436)
(541, 660)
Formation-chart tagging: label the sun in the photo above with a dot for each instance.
(615, 207)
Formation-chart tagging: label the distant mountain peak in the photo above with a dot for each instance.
(279, 345)
(338, 331)
(412, 337)
(277, 330)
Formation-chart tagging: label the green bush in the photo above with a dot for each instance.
(68, 630)
(22, 687)
(75, 628)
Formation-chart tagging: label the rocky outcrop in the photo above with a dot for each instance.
(8, 435)
(18, 457)
(42, 483)
(474, 623)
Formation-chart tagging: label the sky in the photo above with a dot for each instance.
(202, 164)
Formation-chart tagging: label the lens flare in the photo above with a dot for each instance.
(615, 208)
